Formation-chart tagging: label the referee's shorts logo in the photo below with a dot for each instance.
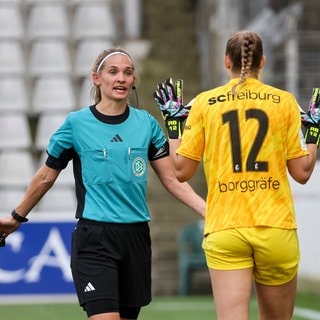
(89, 287)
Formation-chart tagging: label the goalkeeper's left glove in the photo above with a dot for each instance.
(169, 99)
(311, 118)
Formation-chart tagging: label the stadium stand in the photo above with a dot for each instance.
(47, 48)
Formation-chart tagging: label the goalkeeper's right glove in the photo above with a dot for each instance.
(169, 99)
(311, 118)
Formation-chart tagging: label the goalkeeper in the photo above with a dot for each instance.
(241, 139)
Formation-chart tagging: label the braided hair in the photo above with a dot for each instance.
(245, 50)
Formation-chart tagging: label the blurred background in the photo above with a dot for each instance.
(47, 49)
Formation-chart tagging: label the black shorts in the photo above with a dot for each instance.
(112, 262)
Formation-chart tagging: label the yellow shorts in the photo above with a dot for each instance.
(272, 253)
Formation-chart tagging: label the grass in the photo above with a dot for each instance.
(169, 308)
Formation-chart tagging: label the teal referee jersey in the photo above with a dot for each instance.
(110, 161)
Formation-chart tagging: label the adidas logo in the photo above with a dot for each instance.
(116, 138)
(89, 287)
(160, 152)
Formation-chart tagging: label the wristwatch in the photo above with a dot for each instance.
(17, 217)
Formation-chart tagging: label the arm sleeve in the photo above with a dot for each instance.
(61, 162)
(60, 148)
(159, 146)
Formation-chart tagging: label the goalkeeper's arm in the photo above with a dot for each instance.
(301, 168)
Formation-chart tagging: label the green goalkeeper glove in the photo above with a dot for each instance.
(169, 99)
(311, 118)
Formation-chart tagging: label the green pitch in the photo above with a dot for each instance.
(169, 308)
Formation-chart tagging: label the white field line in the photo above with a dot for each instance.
(38, 299)
(307, 313)
(304, 313)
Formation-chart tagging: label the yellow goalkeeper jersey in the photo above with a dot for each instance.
(245, 141)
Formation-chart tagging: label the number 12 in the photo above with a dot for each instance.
(232, 118)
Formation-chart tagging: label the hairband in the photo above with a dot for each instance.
(108, 56)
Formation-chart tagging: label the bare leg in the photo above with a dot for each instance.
(106, 316)
(276, 302)
(231, 292)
